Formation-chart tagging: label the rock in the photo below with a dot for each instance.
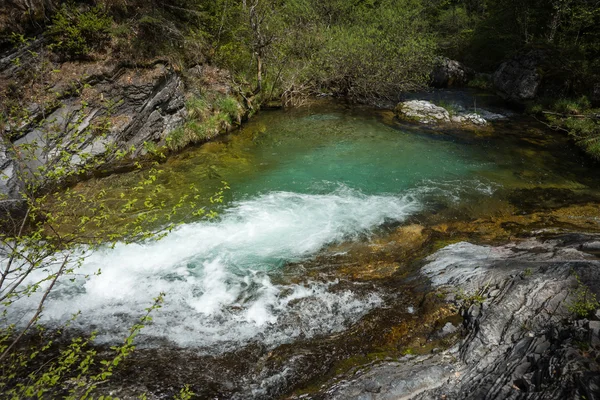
(447, 329)
(135, 106)
(469, 118)
(521, 344)
(428, 113)
(422, 111)
(519, 78)
(490, 116)
(450, 73)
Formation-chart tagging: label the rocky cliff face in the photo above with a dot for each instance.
(76, 112)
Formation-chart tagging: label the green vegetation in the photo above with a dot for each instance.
(584, 301)
(480, 82)
(574, 116)
(452, 108)
(76, 33)
(48, 237)
(205, 119)
(476, 297)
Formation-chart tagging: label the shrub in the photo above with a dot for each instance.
(77, 33)
(571, 106)
(229, 106)
(584, 301)
(480, 82)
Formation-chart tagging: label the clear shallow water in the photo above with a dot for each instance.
(300, 180)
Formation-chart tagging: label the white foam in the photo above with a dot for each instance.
(218, 276)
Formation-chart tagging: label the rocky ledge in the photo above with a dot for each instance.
(428, 113)
(521, 337)
(76, 112)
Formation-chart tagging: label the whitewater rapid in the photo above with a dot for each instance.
(221, 277)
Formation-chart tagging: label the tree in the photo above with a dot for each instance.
(48, 235)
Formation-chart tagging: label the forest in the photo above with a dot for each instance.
(268, 199)
(365, 51)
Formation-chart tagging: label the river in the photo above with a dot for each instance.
(316, 194)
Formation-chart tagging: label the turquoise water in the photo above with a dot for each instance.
(320, 150)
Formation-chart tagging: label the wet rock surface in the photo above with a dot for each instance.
(521, 339)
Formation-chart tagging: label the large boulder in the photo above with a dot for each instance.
(426, 112)
(118, 107)
(520, 78)
(450, 73)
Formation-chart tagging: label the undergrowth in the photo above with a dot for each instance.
(206, 118)
(584, 301)
(574, 116)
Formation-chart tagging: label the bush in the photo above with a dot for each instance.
(583, 302)
(205, 120)
(571, 106)
(381, 52)
(230, 107)
(77, 33)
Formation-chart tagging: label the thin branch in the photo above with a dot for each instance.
(13, 255)
(571, 115)
(38, 311)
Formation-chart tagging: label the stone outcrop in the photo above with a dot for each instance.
(78, 112)
(116, 107)
(520, 338)
(519, 78)
(450, 73)
(9, 184)
(428, 113)
(422, 111)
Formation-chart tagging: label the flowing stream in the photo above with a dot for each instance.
(302, 182)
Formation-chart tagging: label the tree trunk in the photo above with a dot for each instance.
(258, 74)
